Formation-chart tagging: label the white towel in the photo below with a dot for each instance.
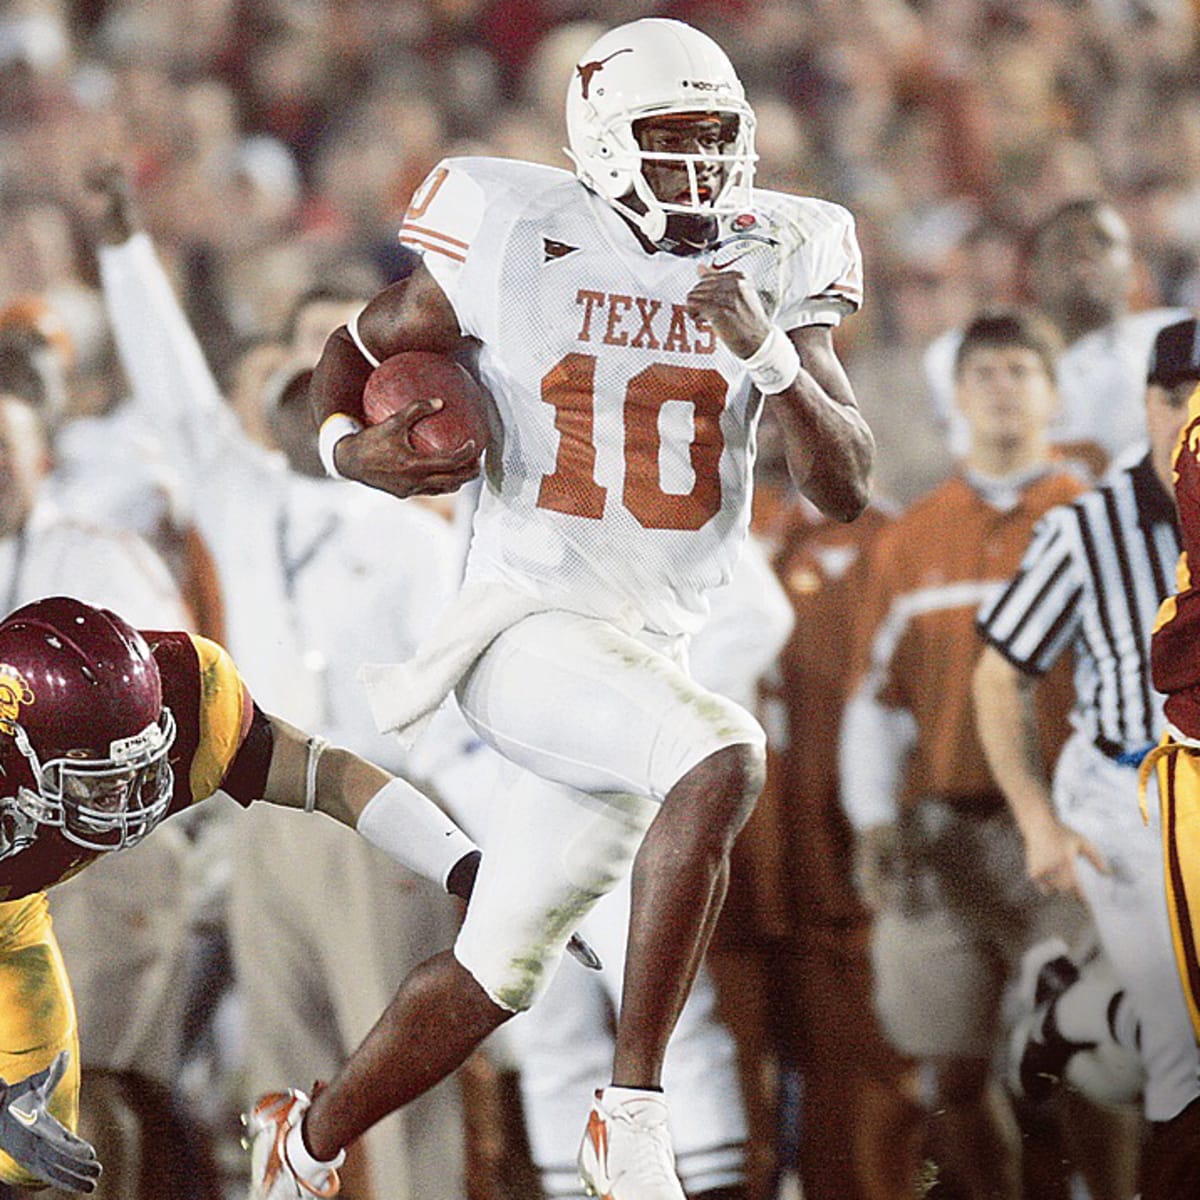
(404, 696)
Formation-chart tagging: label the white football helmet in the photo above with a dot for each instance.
(647, 68)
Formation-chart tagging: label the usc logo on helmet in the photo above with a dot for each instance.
(14, 692)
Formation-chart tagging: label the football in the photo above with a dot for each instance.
(405, 379)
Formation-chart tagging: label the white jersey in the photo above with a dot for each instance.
(620, 482)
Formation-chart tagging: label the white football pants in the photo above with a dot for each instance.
(618, 721)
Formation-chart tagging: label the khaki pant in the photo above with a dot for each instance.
(960, 915)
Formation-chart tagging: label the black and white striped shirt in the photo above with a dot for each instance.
(1092, 579)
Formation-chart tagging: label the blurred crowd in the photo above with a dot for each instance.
(272, 146)
(276, 144)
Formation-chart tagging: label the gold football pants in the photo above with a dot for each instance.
(1178, 769)
(37, 1012)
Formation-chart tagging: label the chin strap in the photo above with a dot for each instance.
(683, 246)
(677, 245)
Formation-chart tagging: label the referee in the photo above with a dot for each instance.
(1091, 581)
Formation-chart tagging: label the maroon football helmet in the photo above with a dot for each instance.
(84, 736)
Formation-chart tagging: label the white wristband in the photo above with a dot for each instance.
(356, 338)
(316, 747)
(773, 367)
(335, 427)
(410, 828)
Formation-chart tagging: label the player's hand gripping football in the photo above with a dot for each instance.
(729, 303)
(383, 456)
(38, 1142)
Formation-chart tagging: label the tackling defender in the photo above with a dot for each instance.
(104, 732)
(1171, 1161)
(628, 320)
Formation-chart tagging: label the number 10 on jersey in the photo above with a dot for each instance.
(571, 488)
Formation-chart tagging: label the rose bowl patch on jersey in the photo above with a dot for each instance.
(406, 379)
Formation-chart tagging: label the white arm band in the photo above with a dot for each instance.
(410, 828)
(356, 338)
(316, 747)
(335, 427)
(775, 364)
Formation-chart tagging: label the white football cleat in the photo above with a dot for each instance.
(626, 1152)
(272, 1176)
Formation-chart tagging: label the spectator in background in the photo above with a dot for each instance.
(42, 549)
(1079, 272)
(252, 366)
(935, 843)
(311, 985)
(107, 468)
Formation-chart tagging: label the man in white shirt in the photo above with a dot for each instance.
(307, 596)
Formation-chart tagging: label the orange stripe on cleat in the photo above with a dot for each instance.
(598, 1132)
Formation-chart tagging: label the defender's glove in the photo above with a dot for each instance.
(37, 1141)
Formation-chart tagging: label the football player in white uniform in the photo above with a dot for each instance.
(628, 321)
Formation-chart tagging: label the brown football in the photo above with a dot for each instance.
(405, 379)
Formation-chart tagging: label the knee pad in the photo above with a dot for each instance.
(551, 854)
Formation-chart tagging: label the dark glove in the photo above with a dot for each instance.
(37, 1141)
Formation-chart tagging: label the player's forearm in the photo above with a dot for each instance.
(389, 812)
(341, 787)
(411, 314)
(830, 450)
(1007, 724)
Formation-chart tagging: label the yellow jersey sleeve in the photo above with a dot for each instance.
(224, 717)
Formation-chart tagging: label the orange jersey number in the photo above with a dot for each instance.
(572, 487)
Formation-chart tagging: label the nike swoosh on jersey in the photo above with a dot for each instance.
(716, 266)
